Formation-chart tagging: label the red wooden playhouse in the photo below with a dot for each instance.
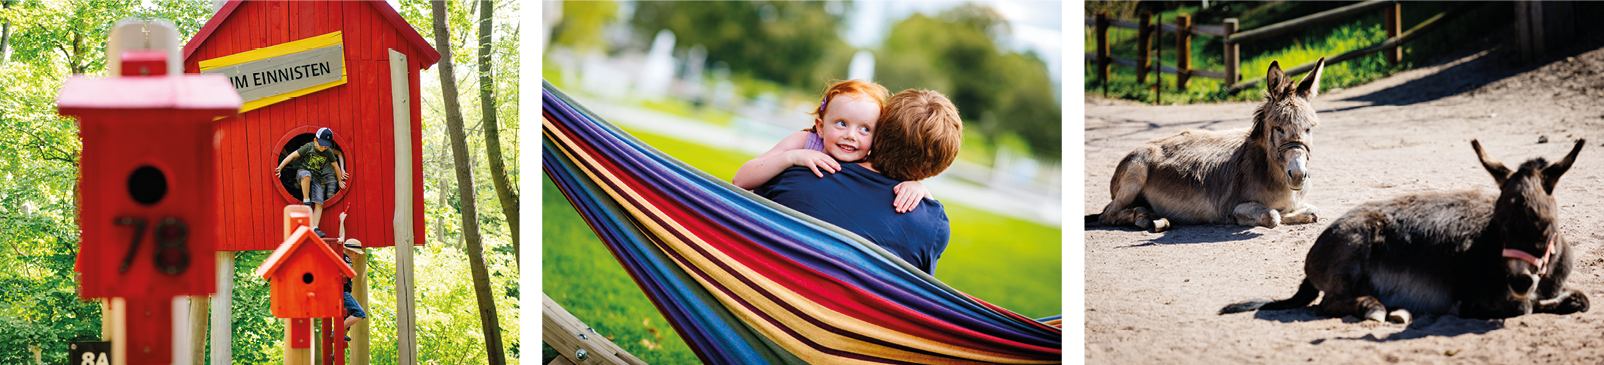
(351, 66)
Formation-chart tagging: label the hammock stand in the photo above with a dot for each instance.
(747, 281)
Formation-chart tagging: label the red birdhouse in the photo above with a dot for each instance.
(305, 277)
(148, 175)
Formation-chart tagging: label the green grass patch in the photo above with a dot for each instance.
(1291, 50)
(1019, 271)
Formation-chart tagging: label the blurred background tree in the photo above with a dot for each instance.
(780, 41)
(997, 92)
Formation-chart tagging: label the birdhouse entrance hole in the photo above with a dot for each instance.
(147, 185)
(306, 278)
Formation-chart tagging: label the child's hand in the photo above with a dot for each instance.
(909, 194)
(813, 160)
(342, 184)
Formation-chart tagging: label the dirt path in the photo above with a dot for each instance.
(1152, 298)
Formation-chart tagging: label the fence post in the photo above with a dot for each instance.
(1394, 26)
(1183, 50)
(1523, 33)
(1231, 55)
(1143, 55)
(1102, 50)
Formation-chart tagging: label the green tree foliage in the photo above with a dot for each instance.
(780, 41)
(582, 23)
(997, 92)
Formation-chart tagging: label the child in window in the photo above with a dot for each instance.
(320, 169)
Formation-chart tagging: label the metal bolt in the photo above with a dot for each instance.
(581, 336)
(582, 355)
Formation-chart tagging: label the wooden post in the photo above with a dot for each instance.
(297, 355)
(1183, 50)
(1534, 9)
(222, 312)
(197, 328)
(1231, 55)
(359, 289)
(1102, 50)
(405, 318)
(1158, 60)
(1523, 31)
(1144, 61)
(1394, 27)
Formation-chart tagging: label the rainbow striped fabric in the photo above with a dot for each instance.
(747, 281)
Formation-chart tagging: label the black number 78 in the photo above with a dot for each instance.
(172, 235)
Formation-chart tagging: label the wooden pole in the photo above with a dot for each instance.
(1231, 54)
(1183, 50)
(1102, 50)
(1144, 61)
(359, 289)
(296, 355)
(405, 317)
(1158, 74)
(1523, 32)
(222, 312)
(197, 328)
(1534, 9)
(1394, 26)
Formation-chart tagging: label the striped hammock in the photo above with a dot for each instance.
(747, 281)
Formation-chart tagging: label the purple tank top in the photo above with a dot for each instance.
(814, 142)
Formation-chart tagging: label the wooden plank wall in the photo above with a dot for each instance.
(358, 112)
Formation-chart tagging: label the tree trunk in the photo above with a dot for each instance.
(487, 109)
(470, 217)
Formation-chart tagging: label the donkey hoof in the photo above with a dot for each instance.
(1376, 314)
(1270, 220)
(1399, 316)
(1161, 225)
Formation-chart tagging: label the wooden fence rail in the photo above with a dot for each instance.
(1232, 38)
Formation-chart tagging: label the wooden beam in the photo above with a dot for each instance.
(1183, 50)
(1394, 25)
(1306, 21)
(1102, 50)
(568, 335)
(223, 311)
(1232, 53)
(359, 288)
(1144, 60)
(406, 317)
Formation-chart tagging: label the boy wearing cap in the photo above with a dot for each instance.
(320, 161)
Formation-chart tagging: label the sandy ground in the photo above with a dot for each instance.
(1153, 298)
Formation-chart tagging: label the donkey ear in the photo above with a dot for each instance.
(1497, 169)
(1274, 80)
(1552, 172)
(1310, 85)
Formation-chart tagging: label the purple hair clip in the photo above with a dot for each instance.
(821, 106)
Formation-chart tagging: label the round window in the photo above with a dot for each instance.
(289, 184)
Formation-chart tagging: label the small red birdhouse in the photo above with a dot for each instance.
(305, 277)
(148, 171)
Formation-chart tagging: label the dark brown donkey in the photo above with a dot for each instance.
(1423, 253)
(1255, 177)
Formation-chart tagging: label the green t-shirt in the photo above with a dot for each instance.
(313, 160)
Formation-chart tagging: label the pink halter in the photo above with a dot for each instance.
(1540, 263)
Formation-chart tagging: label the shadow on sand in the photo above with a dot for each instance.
(1425, 326)
(1186, 235)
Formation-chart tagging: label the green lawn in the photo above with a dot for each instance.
(1019, 271)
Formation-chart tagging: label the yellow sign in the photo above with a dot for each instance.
(269, 75)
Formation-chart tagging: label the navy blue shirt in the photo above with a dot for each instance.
(859, 200)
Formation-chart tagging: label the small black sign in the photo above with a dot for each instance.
(89, 353)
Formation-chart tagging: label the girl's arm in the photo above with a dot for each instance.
(909, 194)
(287, 159)
(787, 153)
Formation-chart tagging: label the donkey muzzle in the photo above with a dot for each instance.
(1296, 154)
